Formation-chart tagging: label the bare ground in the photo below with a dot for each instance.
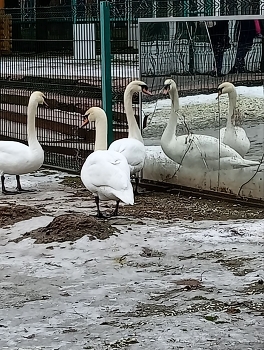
(169, 273)
(151, 205)
(11, 214)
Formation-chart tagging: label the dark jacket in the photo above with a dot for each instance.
(245, 32)
(219, 36)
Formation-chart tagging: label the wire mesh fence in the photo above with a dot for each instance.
(56, 49)
(199, 54)
(54, 46)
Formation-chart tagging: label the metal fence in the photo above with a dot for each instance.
(199, 54)
(56, 49)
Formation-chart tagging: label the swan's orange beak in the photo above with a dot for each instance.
(146, 91)
(164, 91)
(85, 121)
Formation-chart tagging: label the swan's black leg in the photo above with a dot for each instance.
(115, 212)
(3, 184)
(19, 188)
(136, 186)
(4, 190)
(99, 213)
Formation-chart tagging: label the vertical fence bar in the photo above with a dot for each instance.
(74, 10)
(106, 66)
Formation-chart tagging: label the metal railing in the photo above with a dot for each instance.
(56, 49)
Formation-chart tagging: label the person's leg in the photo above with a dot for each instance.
(219, 62)
(242, 49)
(218, 57)
(240, 57)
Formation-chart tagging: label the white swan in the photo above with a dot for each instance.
(232, 135)
(132, 147)
(17, 158)
(105, 173)
(200, 151)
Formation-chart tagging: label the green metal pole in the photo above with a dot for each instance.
(74, 10)
(106, 66)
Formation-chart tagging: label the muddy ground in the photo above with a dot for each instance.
(170, 272)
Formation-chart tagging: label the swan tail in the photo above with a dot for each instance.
(237, 163)
(126, 196)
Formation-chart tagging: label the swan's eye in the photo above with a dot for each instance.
(167, 87)
(220, 91)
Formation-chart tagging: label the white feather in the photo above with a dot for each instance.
(106, 173)
(17, 158)
(201, 151)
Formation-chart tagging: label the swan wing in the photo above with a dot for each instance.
(194, 147)
(107, 174)
(235, 138)
(204, 151)
(235, 163)
(133, 150)
(12, 148)
(211, 148)
(16, 158)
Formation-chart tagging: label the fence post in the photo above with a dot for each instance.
(106, 66)
(74, 11)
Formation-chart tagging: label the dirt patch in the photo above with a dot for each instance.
(158, 205)
(236, 265)
(204, 305)
(12, 213)
(167, 206)
(71, 227)
(72, 181)
(255, 288)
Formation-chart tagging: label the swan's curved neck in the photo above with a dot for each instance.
(133, 129)
(232, 96)
(170, 130)
(100, 134)
(31, 129)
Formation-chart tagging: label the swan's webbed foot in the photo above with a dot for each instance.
(100, 215)
(21, 190)
(4, 190)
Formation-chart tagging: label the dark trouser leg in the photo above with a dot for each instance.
(219, 62)
(242, 50)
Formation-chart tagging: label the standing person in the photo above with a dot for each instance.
(246, 31)
(220, 43)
